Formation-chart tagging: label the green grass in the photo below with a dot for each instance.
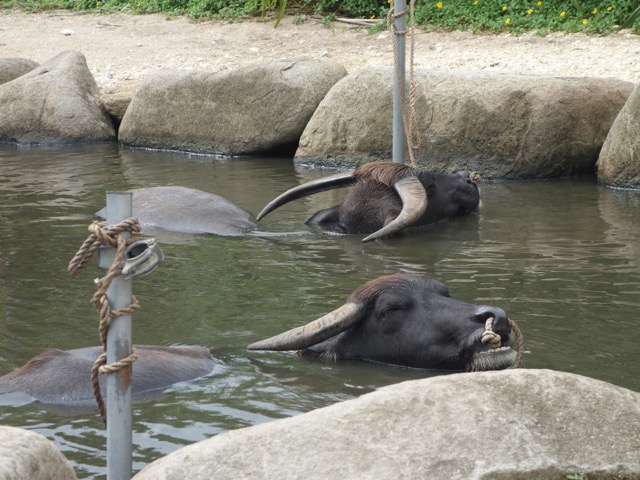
(519, 15)
(593, 16)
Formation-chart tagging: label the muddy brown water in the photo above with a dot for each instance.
(561, 256)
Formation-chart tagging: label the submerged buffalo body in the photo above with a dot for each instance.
(409, 321)
(187, 210)
(63, 377)
(387, 198)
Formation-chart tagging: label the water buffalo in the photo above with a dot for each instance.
(187, 210)
(57, 377)
(387, 198)
(409, 321)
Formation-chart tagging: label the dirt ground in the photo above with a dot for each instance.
(122, 50)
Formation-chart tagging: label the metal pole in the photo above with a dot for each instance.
(119, 436)
(399, 25)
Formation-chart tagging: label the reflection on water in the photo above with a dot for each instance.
(560, 256)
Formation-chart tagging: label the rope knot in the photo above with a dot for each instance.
(101, 234)
(474, 177)
(489, 337)
(493, 340)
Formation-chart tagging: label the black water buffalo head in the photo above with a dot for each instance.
(387, 198)
(410, 321)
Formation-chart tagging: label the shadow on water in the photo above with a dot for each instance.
(560, 256)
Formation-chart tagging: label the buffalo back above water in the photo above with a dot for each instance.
(63, 377)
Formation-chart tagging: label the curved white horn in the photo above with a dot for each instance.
(414, 204)
(314, 332)
(315, 186)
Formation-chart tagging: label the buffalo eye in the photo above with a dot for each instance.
(391, 309)
(391, 313)
(390, 303)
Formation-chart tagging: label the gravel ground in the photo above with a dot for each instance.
(122, 50)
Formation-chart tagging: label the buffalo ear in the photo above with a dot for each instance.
(325, 217)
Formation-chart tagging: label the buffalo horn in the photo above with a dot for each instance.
(414, 203)
(312, 333)
(320, 185)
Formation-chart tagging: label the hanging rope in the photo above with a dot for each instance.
(409, 118)
(111, 235)
(493, 340)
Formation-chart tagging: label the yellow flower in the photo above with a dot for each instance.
(563, 13)
(507, 20)
(585, 21)
(595, 10)
(530, 11)
(539, 4)
(439, 4)
(504, 7)
(609, 8)
(476, 2)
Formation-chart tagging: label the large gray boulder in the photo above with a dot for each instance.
(534, 424)
(502, 125)
(26, 455)
(619, 161)
(14, 67)
(247, 111)
(116, 104)
(56, 103)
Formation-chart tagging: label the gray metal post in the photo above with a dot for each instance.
(399, 137)
(119, 436)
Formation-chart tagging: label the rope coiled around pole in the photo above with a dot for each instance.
(110, 235)
(410, 119)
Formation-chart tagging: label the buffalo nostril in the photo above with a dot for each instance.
(463, 175)
(483, 312)
(500, 322)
